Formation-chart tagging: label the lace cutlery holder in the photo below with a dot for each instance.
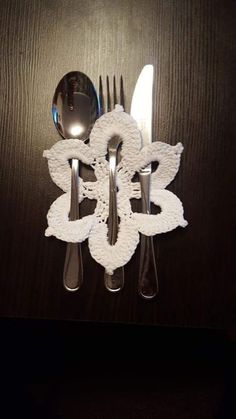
(133, 158)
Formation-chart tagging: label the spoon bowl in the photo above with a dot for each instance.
(75, 106)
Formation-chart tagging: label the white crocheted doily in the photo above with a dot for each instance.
(134, 158)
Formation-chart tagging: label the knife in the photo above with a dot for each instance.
(141, 111)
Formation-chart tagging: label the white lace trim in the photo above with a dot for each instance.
(94, 227)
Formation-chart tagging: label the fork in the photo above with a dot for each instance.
(114, 282)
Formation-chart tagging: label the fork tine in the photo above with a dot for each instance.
(108, 96)
(105, 106)
(101, 99)
(114, 92)
(122, 95)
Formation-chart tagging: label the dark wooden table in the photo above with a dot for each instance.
(192, 46)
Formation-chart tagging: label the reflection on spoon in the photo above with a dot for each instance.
(76, 130)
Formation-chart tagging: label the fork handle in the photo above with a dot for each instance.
(113, 215)
(148, 279)
(113, 282)
(73, 266)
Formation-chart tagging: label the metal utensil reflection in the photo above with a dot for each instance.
(141, 110)
(114, 282)
(74, 111)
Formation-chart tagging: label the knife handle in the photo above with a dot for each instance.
(148, 279)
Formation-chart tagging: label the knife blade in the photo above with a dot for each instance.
(142, 112)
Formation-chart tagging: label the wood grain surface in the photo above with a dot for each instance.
(192, 46)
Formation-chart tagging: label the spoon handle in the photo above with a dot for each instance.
(73, 267)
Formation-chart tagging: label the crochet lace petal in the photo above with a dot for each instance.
(170, 217)
(168, 158)
(58, 160)
(60, 226)
(112, 124)
(111, 257)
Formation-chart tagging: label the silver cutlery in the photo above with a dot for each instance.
(113, 282)
(141, 110)
(74, 110)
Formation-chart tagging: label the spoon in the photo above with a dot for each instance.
(74, 110)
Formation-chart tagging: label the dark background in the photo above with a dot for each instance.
(186, 367)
